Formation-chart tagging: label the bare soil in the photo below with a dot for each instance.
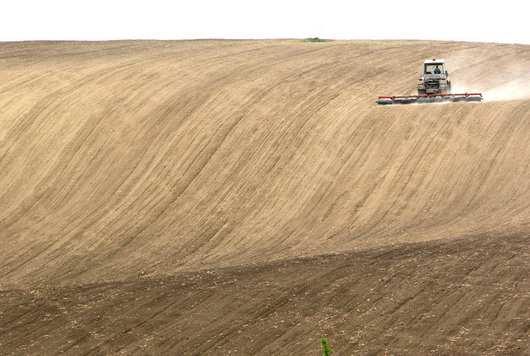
(249, 197)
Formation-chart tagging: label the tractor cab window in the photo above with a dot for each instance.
(434, 68)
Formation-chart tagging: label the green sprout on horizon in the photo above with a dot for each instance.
(315, 39)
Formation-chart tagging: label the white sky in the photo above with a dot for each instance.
(470, 20)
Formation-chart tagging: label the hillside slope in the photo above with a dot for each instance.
(123, 164)
(156, 157)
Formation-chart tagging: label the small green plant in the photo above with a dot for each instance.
(326, 349)
(314, 39)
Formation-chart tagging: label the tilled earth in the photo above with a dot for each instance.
(468, 296)
(249, 197)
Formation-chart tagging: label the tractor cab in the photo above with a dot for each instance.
(434, 67)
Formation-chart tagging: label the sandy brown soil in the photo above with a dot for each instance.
(214, 196)
(471, 296)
